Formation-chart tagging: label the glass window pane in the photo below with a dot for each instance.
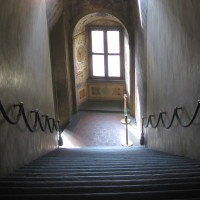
(98, 65)
(114, 66)
(97, 42)
(113, 41)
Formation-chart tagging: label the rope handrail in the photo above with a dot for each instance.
(160, 118)
(21, 113)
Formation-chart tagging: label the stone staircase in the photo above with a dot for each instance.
(104, 173)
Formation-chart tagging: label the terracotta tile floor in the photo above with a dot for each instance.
(98, 129)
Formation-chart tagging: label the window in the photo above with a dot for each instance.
(105, 51)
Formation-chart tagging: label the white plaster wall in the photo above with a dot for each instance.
(140, 62)
(25, 75)
(127, 64)
(173, 71)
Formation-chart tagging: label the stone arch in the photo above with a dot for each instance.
(102, 11)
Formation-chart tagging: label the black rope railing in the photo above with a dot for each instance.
(51, 123)
(160, 119)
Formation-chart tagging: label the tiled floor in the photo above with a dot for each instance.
(99, 129)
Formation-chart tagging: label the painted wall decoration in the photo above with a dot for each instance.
(119, 6)
(80, 52)
(95, 18)
(82, 94)
(102, 22)
(81, 66)
(106, 91)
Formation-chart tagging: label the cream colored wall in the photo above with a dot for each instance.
(127, 65)
(140, 61)
(173, 71)
(25, 76)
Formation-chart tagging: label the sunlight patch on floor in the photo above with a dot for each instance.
(67, 140)
(133, 134)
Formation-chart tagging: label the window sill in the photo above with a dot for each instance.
(103, 80)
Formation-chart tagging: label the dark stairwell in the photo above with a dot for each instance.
(99, 172)
(104, 173)
(164, 49)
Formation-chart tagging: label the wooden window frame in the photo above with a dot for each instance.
(121, 53)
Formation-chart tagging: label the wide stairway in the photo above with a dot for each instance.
(104, 173)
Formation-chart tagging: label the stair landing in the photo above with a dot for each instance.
(99, 129)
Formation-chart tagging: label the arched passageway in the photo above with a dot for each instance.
(100, 93)
(90, 87)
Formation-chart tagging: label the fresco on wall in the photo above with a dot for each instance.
(106, 91)
(82, 94)
(81, 66)
(95, 18)
(102, 22)
(80, 53)
(119, 6)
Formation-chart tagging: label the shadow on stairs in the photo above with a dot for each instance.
(104, 173)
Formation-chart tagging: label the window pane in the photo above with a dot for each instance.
(98, 65)
(114, 66)
(113, 41)
(97, 42)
